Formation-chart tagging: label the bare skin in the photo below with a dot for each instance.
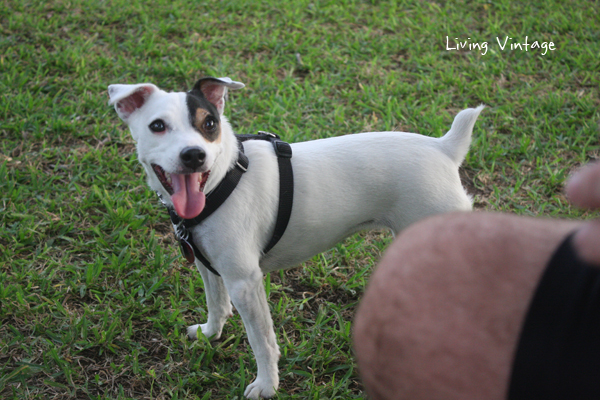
(584, 191)
(443, 311)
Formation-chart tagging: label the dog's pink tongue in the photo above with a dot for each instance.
(187, 198)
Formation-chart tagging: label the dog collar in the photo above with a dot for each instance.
(218, 195)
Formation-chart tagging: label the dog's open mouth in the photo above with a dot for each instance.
(186, 190)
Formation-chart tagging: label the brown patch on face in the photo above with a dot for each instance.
(207, 125)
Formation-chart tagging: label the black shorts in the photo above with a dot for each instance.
(558, 354)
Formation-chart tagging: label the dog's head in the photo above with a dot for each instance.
(179, 136)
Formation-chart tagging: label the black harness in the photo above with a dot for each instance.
(218, 195)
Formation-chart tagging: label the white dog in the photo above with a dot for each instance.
(341, 185)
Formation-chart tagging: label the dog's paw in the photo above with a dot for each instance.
(260, 390)
(212, 334)
(192, 332)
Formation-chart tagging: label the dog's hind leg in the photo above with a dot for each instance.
(219, 306)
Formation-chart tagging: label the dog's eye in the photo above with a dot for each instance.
(157, 126)
(210, 124)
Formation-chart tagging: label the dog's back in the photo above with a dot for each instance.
(371, 180)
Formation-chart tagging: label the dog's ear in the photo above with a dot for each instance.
(129, 98)
(215, 90)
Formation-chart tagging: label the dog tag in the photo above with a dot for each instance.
(186, 250)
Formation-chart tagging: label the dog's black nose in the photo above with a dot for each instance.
(192, 157)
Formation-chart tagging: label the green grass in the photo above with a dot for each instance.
(94, 298)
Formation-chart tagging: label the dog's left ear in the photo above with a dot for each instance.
(215, 90)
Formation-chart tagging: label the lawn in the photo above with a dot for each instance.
(94, 297)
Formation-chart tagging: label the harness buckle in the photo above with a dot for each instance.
(240, 166)
(269, 134)
(282, 149)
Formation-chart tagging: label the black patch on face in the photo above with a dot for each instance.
(195, 101)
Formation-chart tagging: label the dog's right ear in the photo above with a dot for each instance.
(129, 98)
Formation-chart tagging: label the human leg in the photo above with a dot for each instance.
(442, 315)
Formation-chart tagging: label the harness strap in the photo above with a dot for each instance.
(286, 191)
(283, 151)
(217, 196)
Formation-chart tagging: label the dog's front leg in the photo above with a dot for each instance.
(218, 303)
(247, 292)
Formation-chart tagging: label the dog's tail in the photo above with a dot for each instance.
(456, 142)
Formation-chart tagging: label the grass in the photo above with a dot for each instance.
(94, 298)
